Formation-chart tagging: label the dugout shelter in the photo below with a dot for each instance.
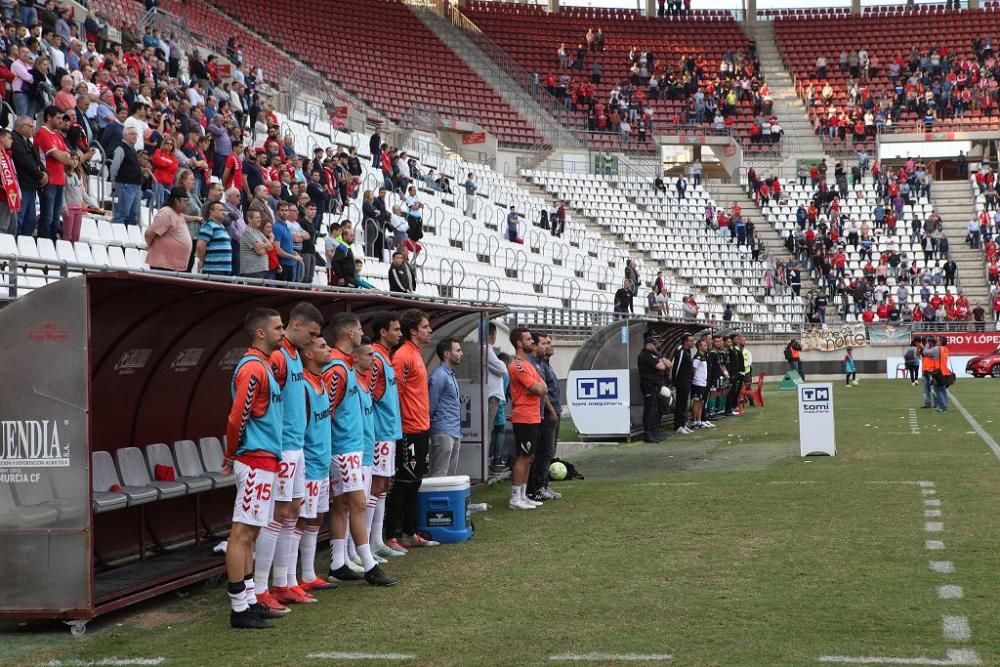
(109, 379)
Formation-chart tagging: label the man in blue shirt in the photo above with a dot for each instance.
(288, 258)
(445, 405)
(538, 480)
(512, 220)
(215, 247)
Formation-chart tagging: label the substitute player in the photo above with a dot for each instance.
(316, 451)
(526, 391)
(411, 451)
(253, 438)
(347, 478)
(388, 425)
(276, 540)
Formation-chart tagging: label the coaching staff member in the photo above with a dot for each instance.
(652, 367)
(681, 375)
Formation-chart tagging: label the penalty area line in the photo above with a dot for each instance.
(954, 657)
(987, 438)
(108, 662)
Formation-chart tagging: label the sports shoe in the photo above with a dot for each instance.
(847, 386)
(376, 577)
(385, 551)
(292, 595)
(536, 498)
(418, 540)
(248, 620)
(354, 567)
(344, 573)
(855, 383)
(707, 425)
(684, 430)
(265, 612)
(272, 604)
(379, 559)
(397, 546)
(518, 504)
(546, 494)
(530, 501)
(317, 584)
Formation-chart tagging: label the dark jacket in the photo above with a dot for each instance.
(342, 263)
(682, 372)
(402, 278)
(375, 144)
(26, 162)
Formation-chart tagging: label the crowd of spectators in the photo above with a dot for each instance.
(202, 151)
(884, 288)
(932, 84)
(712, 97)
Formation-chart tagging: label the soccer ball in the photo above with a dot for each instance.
(557, 471)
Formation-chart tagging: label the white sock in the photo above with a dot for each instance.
(282, 554)
(237, 599)
(250, 590)
(378, 520)
(267, 541)
(365, 551)
(293, 557)
(370, 517)
(336, 554)
(522, 491)
(307, 552)
(515, 492)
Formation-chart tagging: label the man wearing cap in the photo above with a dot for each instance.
(168, 241)
(652, 367)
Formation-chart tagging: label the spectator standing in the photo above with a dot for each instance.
(623, 300)
(512, 222)
(254, 247)
(126, 179)
(215, 249)
(681, 376)
(76, 200)
(168, 241)
(414, 215)
(401, 274)
(911, 359)
(31, 175)
(10, 201)
(165, 165)
(470, 195)
(445, 404)
(288, 260)
(681, 186)
(50, 144)
(310, 229)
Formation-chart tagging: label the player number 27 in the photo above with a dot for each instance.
(286, 469)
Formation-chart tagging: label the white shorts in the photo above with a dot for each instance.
(384, 463)
(346, 474)
(317, 499)
(366, 472)
(291, 476)
(254, 504)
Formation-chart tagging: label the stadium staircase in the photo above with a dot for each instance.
(727, 194)
(499, 71)
(953, 201)
(800, 141)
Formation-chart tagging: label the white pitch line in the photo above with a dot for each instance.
(361, 656)
(933, 526)
(950, 592)
(955, 628)
(934, 545)
(926, 484)
(109, 662)
(612, 657)
(942, 566)
(932, 514)
(928, 492)
(955, 657)
(794, 481)
(987, 438)
(932, 502)
(670, 484)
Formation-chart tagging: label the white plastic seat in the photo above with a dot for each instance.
(132, 466)
(158, 454)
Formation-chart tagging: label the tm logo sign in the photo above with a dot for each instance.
(596, 389)
(815, 395)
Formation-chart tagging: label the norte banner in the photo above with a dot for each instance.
(890, 334)
(971, 343)
(831, 340)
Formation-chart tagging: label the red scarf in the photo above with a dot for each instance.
(8, 179)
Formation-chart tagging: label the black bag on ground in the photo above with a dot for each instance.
(571, 471)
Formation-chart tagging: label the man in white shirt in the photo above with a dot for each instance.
(496, 371)
(138, 120)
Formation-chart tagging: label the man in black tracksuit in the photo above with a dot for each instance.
(735, 373)
(681, 374)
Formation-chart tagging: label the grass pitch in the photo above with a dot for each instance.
(719, 548)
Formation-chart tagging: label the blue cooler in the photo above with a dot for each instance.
(443, 508)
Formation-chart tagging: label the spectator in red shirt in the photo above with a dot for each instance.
(868, 316)
(164, 170)
(883, 312)
(50, 143)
